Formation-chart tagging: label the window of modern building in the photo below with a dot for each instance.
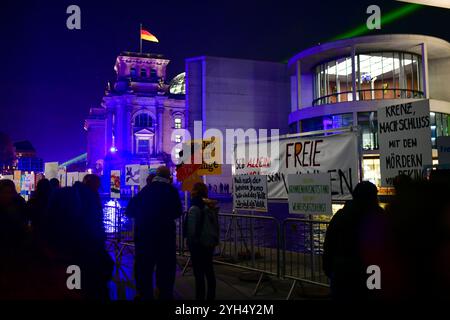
(369, 130)
(143, 120)
(177, 123)
(440, 126)
(371, 171)
(327, 122)
(383, 75)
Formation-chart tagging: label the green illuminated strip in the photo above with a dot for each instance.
(385, 19)
(75, 160)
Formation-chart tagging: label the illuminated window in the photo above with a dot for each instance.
(177, 123)
(178, 138)
(133, 72)
(382, 75)
(143, 120)
(143, 146)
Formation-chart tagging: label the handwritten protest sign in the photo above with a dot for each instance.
(310, 194)
(250, 192)
(405, 140)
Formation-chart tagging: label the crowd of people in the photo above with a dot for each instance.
(408, 241)
(62, 227)
(57, 228)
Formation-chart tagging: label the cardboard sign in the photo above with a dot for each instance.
(72, 177)
(51, 170)
(209, 152)
(143, 175)
(62, 177)
(250, 193)
(188, 184)
(310, 194)
(17, 180)
(405, 140)
(115, 184)
(132, 175)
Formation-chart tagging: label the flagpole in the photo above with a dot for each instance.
(140, 38)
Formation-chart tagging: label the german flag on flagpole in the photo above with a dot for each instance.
(145, 35)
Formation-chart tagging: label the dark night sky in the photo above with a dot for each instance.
(51, 76)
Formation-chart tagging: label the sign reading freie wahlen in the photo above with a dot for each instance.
(310, 194)
(250, 192)
(335, 154)
(405, 140)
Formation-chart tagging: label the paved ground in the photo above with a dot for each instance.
(232, 284)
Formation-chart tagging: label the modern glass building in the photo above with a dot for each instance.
(342, 83)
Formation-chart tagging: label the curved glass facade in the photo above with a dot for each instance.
(381, 75)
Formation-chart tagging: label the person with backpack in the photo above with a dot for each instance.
(202, 234)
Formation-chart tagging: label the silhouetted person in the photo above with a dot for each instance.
(38, 204)
(13, 220)
(150, 178)
(76, 235)
(55, 183)
(92, 181)
(202, 237)
(13, 236)
(155, 209)
(354, 240)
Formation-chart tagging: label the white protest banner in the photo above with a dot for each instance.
(7, 177)
(250, 192)
(310, 194)
(51, 170)
(62, 177)
(443, 148)
(72, 177)
(132, 174)
(334, 154)
(115, 184)
(143, 174)
(81, 176)
(404, 136)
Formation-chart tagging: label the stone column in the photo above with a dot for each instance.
(109, 129)
(160, 129)
(128, 137)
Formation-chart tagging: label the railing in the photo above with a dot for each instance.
(302, 251)
(367, 94)
(260, 244)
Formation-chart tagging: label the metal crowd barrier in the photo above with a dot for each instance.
(303, 241)
(290, 250)
(119, 231)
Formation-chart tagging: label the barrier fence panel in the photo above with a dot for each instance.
(250, 242)
(302, 251)
(292, 250)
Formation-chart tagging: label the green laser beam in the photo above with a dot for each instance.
(75, 160)
(387, 18)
